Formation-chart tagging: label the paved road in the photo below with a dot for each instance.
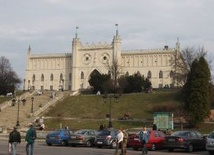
(42, 149)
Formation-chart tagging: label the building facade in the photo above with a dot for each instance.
(71, 71)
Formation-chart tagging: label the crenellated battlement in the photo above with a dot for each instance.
(96, 45)
(147, 51)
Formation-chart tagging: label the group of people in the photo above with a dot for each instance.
(122, 138)
(15, 138)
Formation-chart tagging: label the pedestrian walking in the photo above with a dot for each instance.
(30, 139)
(144, 138)
(124, 142)
(119, 141)
(14, 139)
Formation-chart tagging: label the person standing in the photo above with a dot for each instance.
(119, 141)
(124, 143)
(144, 138)
(154, 127)
(14, 139)
(30, 139)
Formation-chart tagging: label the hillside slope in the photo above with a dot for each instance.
(137, 106)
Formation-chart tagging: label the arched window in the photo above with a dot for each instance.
(51, 77)
(138, 73)
(61, 77)
(34, 78)
(42, 77)
(149, 75)
(171, 74)
(127, 74)
(82, 75)
(69, 76)
(160, 74)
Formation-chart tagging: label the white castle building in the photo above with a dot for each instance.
(71, 71)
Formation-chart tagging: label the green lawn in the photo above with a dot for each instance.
(89, 111)
(138, 106)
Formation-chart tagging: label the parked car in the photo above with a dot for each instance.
(156, 139)
(83, 137)
(106, 137)
(58, 137)
(210, 143)
(188, 140)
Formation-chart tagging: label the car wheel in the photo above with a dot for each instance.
(88, 144)
(113, 144)
(153, 147)
(64, 143)
(211, 152)
(170, 149)
(99, 146)
(49, 144)
(189, 148)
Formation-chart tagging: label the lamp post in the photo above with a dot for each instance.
(110, 96)
(18, 101)
(32, 99)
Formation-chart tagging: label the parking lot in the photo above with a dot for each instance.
(42, 149)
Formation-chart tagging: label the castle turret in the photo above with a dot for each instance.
(75, 60)
(116, 55)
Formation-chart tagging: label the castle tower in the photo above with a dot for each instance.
(75, 61)
(116, 55)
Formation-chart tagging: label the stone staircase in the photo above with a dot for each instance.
(8, 115)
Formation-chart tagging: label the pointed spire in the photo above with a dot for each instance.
(76, 32)
(178, 44)
(116, 29)
(29, 49)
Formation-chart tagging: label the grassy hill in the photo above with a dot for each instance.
(88, 111)
(138, 106)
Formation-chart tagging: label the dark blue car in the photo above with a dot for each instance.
(58, 137)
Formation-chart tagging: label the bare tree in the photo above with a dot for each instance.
(9, 80)
(182, 63)
(115, 70)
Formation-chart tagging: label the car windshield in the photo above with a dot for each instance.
(180, 133)
(104, 133)
(81, 132)
(55, 132)
(211, 135)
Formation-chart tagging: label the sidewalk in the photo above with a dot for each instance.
(41, 135)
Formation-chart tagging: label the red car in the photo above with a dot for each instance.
(156, 140)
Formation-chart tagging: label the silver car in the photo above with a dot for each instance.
(210, 143)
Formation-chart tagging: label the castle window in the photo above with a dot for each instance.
(61, 77)
(51, 77)
(171, 74)
(127, 74)
(42, 77)
(82, 75)
(149, 75)
(34, 78)
(160, 74)
(69, 76)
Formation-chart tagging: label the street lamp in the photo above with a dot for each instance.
(110, 96)
(32, 99)
(18, 101)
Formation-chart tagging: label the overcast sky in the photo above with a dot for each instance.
(49, 26)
